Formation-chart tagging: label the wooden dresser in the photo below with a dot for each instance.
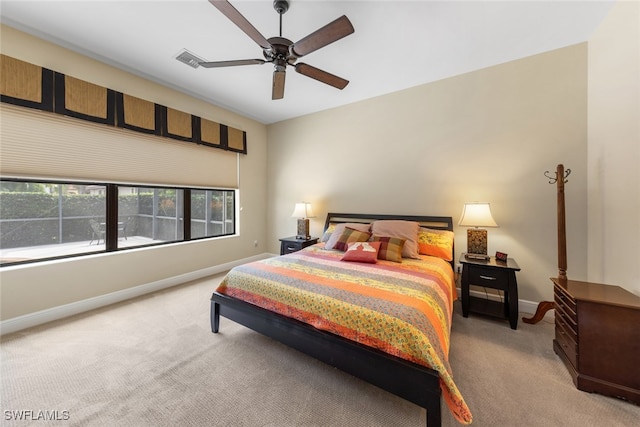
(598, 337)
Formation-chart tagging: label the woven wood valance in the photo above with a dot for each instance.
(236, 140)
(84, 100)
(25, 84)
(210, 133)
(29, 85)
(138, 114)
(179, 123)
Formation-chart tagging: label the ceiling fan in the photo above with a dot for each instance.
(283, 52)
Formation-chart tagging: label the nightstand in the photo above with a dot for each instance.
(293, 244)
(492, 274)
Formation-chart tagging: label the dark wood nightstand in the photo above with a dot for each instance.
(293, 244)
(492, 274)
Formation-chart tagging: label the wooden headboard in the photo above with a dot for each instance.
(435, 222)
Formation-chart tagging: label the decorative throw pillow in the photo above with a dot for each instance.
(390, 248)
(350, 235)
(339, 228)
(362, 252)
(438, 243)
(327, 233)
(407, 230)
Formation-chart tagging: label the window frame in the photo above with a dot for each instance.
(111, 216)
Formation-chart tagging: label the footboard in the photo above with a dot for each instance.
(415, 383)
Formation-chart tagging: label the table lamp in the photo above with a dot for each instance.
(477, 215)
(303, 212)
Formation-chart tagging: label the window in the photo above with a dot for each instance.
(40, 218)
(212, 213)
(150, 214)
(44, 220)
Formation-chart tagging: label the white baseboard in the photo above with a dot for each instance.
(524, 306)
(39, 317)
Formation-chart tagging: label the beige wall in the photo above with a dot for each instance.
(31, 288)
(614, 149)
(488, 136)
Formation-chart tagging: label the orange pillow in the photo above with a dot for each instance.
(362, 252)
(438, 243)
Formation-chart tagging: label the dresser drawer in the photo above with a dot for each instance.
(563, 298)
(568, 309)
(489, 277)
(569, 347)
(566, 322)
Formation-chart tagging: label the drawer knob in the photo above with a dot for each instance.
(487, 278)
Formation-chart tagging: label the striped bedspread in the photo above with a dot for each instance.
(404, 309)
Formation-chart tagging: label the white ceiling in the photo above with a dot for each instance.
(396, 44)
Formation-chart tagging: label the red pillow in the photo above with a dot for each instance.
(362, 252)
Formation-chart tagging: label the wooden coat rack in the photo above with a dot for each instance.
(559, 179)
(596, 333)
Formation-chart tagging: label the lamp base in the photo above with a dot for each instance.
(303, 229)
(477, 241)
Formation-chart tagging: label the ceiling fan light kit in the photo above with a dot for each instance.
(282, 52)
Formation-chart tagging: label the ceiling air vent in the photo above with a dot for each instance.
(189, 58)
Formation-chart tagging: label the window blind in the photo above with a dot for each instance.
(38, 144)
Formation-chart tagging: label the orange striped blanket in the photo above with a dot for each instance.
(404, 309)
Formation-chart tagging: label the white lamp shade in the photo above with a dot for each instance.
(477, 215)
(302, 210)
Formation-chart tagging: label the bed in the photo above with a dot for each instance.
(316, 302)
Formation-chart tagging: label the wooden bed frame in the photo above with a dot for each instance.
(415, 383)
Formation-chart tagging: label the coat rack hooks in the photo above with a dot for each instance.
(554, 179)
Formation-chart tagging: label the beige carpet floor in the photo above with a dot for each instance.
(152, 361)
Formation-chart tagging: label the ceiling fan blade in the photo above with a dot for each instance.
(321, 76)
(277, 91)
(328, 34)
(236, 17)
(218, 64)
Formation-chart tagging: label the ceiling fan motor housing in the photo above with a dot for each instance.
(280, 51)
